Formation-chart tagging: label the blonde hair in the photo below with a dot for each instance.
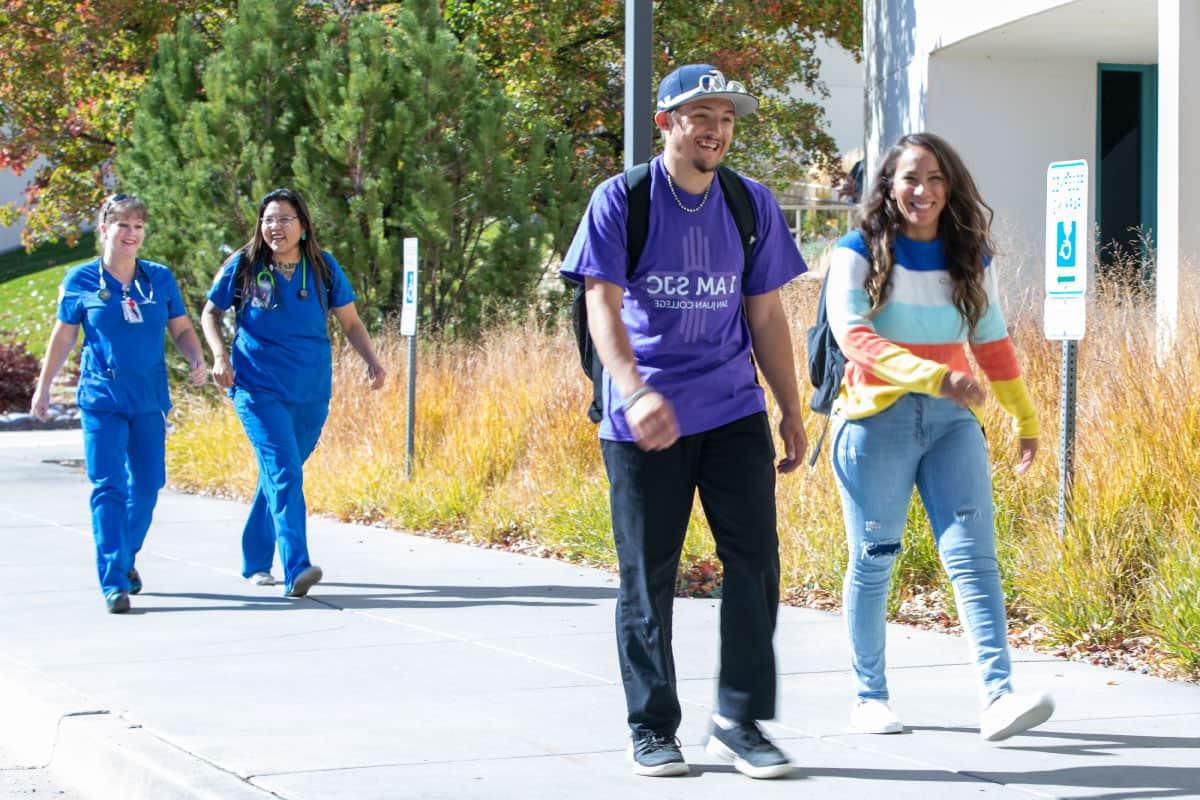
(120, 205)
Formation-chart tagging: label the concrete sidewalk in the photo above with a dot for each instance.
(424, 669)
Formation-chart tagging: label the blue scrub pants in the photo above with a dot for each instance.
(125, 456)
(283, 436)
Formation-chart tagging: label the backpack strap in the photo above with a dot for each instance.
(637, 225)
(737, 197)
(637, 217)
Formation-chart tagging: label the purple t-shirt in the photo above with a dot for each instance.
(683, 306)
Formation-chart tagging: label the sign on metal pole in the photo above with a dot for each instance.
(408, 327)
(408, 311)
(1067, 234)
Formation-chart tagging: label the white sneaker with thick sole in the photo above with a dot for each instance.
(262, 579)
(874, 716)
(1010, 714)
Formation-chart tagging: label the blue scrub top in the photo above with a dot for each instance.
(122, 368)
(282, 342)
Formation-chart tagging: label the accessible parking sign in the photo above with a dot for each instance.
(1066, 250)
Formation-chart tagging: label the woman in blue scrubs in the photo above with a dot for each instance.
(124, 305)
(282, 286)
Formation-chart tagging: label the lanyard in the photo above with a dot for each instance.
(104, 292)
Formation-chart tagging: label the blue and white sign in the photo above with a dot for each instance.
(408, 310)
(1067, 234)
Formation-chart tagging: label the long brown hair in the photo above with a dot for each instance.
(256, 254)
(964, 228)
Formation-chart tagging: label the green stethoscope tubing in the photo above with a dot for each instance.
(269, 274)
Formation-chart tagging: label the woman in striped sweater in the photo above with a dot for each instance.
(907, 293)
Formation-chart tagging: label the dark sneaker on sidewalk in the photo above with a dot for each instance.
(135, 581)
(307, 579)
(656, 756)
(749, 750)
(117, 602)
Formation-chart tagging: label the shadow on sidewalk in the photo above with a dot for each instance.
(226, 602)
(385, 595)
(382, 595)
(1128, 780)
(1122, 780)
(1089, 744)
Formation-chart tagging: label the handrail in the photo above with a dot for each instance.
(839, 219)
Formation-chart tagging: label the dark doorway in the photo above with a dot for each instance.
(1126, 190)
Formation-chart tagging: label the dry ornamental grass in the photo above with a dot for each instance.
(505, 456)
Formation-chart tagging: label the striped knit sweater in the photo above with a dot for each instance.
(918, 336)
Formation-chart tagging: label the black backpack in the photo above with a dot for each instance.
(637, 224)
(826, 366)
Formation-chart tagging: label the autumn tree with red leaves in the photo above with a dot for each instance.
(563, 64)
(71, 72)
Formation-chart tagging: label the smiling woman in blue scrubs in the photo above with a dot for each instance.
(282, 286)
(124, 305)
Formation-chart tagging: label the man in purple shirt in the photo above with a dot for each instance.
(683, 411)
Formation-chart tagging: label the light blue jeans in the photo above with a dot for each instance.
(939, 447)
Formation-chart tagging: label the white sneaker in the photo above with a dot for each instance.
(262, 579)
(874, 716)
(1010, 714)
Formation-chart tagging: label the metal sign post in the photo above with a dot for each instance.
(639, 80)
(408, 327)
(1067, 234)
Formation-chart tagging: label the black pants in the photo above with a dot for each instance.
(651, 496)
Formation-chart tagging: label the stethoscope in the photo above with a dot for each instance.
(105, 293)
(269, 276)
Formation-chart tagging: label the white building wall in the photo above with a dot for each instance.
(843, 77)
(1041, 111)
(1178, 159)
(898, 38)
(12, 190)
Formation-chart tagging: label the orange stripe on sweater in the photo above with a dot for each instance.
(998, 359)
(864, 344)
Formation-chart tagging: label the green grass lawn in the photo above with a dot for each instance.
(17, 263)
(28, 305)
(29, 289)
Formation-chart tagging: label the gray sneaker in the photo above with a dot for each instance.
(117, 602)
(307, 579)
(749, 750)
(656, 756)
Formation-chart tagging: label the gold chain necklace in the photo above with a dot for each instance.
(678, 202)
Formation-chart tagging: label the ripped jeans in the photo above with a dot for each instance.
(939, 447)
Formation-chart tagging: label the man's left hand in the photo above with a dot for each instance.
(795, 442)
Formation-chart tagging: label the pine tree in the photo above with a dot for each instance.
(215, 131)
(418, 141)
(383, 121)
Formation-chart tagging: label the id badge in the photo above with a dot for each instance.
(263, 294)
(130, 310)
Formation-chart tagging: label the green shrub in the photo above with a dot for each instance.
(1175, 604)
